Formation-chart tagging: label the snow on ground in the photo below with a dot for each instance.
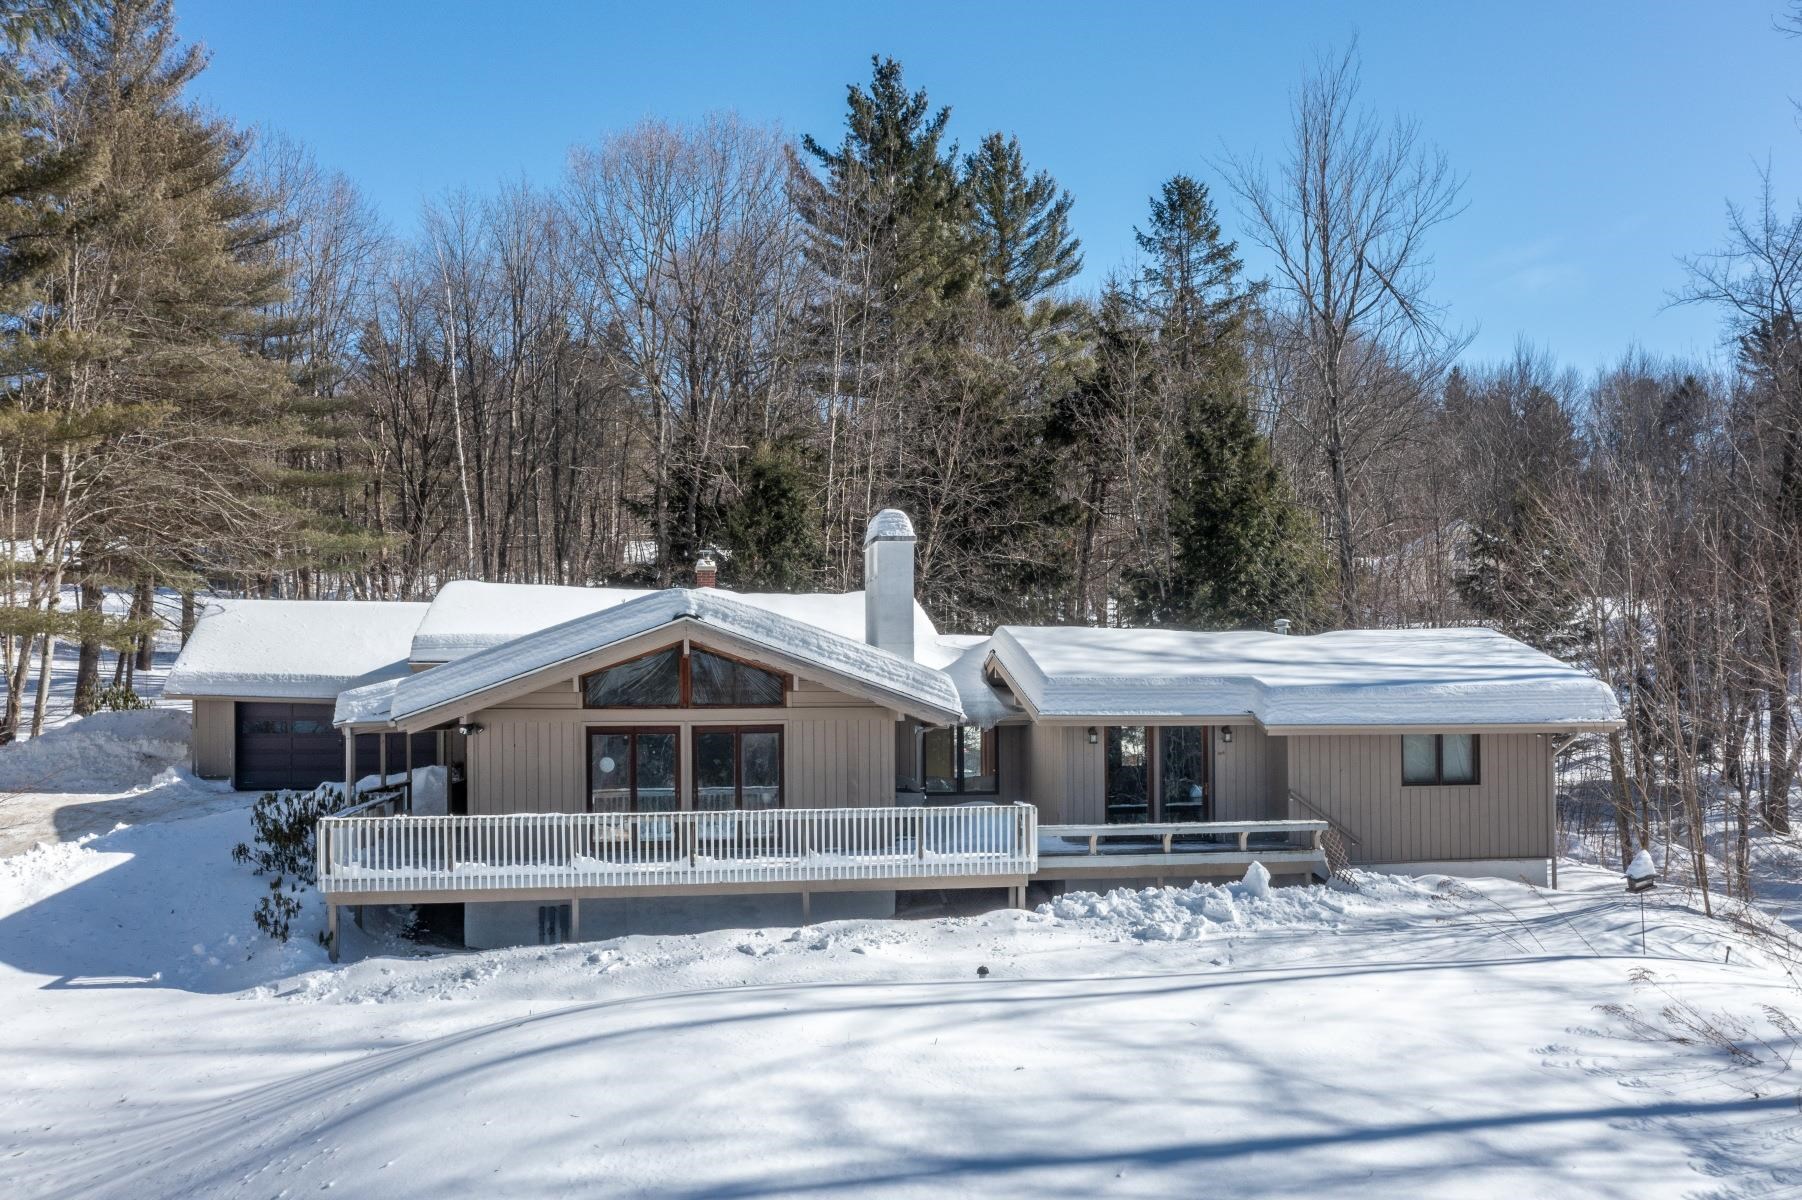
(87, 775)
(1387, 1037)
(1379, 1037)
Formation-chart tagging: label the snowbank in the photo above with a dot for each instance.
(105, 752)
(1170, 914)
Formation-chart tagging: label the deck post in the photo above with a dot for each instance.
(331, 929)
(350, 764)
(381, 757)
(806, 908)
(575, 918)
(408, 742)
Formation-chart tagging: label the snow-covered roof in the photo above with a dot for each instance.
(908, 686)
(1358, 677)
(366, 705)
(468, 615)
(962, 657)
(293, 649)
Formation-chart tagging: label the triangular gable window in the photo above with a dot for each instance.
(671, 679)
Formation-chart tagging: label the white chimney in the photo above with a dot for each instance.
(888, 583)
(1282, 624)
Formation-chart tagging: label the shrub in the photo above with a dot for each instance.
(118, 697)
(284, 848)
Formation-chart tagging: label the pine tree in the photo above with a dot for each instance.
(770, 530)
(1025, 246)
(1241, 551)
(887, 216)
(152, 420)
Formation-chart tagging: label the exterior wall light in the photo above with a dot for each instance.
(1226, 733)
(1093, 735)
(470, 729)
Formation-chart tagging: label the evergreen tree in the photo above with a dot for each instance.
(152, 419)
(1241, 550)
(1192, 283)
(886, 215)
(770, 530)
(1025, 246)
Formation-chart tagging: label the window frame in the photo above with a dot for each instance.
(630, 733)
(957, 761)
(1439, 779)
(685, 686)
(1157, 803)
(738, 763)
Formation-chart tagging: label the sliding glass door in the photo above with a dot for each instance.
(1158, 773)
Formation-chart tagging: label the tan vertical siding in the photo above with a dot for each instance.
(1247, 787)
(1065, 774)
(213, 740)
(1357, 781)
(532, 754)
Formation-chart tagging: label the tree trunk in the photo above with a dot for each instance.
(1623, 800)
(87, 665)
(145, 607)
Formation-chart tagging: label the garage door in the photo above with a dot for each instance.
(287, 745)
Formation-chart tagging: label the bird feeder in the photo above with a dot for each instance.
(1642, 876)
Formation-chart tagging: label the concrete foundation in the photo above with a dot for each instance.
(489, 926)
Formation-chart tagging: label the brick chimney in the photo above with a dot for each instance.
(707, 572)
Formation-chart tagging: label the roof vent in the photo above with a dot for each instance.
(707, 572)
(1282, 624)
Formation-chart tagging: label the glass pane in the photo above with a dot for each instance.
(763, 769)
(654, 681)
(1128, 788)
(1460, 751)
(608, 781)
(976, 759)
(940, 773)
(1184, 772)
(656, 790)
(1420, 758)
(716, 769)
(716, 681)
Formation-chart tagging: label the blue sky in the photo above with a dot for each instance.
(1600, 140)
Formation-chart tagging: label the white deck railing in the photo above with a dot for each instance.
(368, 854)
(1199, 837)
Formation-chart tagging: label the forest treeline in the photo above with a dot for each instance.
(219, 369)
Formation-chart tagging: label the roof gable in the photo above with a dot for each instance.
(479, 678)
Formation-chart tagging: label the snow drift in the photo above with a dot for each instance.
(105, 752)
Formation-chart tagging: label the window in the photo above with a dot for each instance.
(738, 768)
(654, 681)
(960, 759)
(716, 681)
(1128, 775)
(1183, 772)
(1430, 759)
(668, 679)
(632, 770)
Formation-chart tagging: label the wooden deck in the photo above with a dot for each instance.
(375, 854)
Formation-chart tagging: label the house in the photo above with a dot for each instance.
(813, 755)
